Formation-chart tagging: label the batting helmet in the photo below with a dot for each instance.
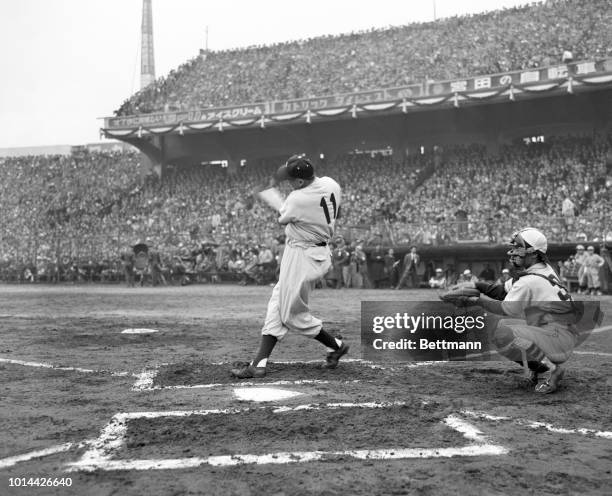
(297, 167)
(528, 240)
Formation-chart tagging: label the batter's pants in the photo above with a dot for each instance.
(288, 309)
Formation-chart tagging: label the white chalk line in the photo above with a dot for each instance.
(598, 353)
(112, 438)
(58, 367)
(538, 425)
(601, 329)
(367, 363)
(14, 460)
(145, 379)
(139, 330)
(290, 457)
(52, 450)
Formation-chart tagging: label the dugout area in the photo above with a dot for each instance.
(157, 413)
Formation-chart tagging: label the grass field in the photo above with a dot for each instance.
(158, 413)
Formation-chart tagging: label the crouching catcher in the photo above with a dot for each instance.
(538, 320)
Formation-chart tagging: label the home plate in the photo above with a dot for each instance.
(264, 394)
(139, 331)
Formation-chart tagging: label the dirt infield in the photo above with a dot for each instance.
(158, 413)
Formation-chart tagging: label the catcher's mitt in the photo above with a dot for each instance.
(461, 296)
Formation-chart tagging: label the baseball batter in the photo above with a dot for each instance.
(308, 214)
(541, 328)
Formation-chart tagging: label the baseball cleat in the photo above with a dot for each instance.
(333, 357)
(535, 369)
(551, 384)
(248, 372)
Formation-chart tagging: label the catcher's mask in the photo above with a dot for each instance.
(527, 241)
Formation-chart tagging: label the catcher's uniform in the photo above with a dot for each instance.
(543, 316)
(309, 215)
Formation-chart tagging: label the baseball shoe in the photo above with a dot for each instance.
(535, 369)
(551, 384)
(248, 372)
(333, 357)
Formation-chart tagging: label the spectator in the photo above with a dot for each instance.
(487, 274)
(592, 264)
(569, 272)
(391, 268)
(467, 276)
(438, 281)
(579, 260)
(362, 279)
(411, 263)
(505, 276)
(376, 264)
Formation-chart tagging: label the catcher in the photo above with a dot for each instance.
(538, 324)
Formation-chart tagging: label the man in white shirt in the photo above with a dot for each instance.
(580, 258)
(467, 276)
(438, 281)
(592, 263)
(309, 214)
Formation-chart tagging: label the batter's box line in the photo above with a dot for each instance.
(361, 361)
(144, 379)
(59, 367)
(532, 424)
(113, 437)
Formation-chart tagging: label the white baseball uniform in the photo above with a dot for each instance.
(542, 314)
(309, 215)
(582, 276)
(592, 263)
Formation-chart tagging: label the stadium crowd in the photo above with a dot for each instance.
(75, 217)
(534, 35)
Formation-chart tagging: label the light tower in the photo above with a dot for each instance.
(147, 58)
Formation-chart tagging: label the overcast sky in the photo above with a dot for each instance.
(64, 63)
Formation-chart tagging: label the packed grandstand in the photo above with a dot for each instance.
(76, 217)
(90, 207)
(534, 35)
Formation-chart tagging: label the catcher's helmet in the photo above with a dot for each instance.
(297, 167)
(528, 240)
